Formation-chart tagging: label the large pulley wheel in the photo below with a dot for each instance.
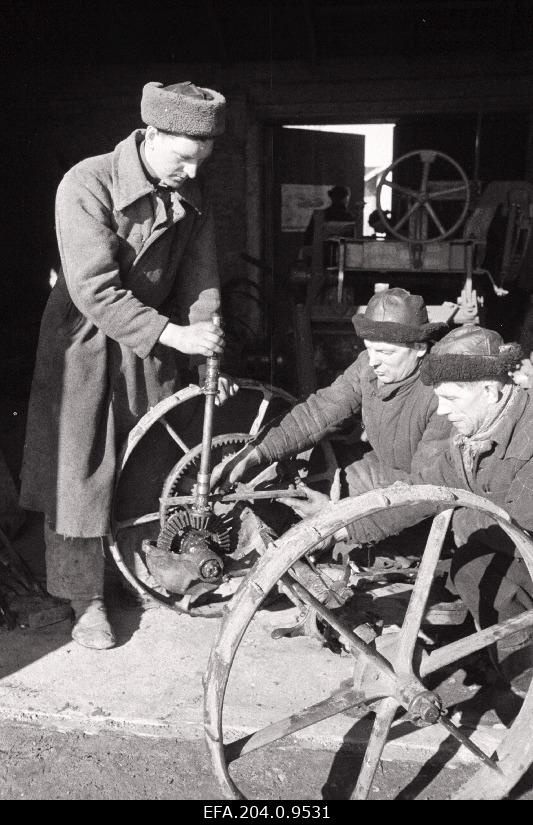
(418, 210)
(387, 678)
(160, 460)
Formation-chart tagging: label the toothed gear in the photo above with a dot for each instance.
(189, 465)
(183, 522)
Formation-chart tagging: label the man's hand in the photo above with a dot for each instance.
(233, 470)
(310, 506)
(227, 387)
(523, 375)
(203, 338)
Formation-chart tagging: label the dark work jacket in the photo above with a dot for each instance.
(400, 420)
(128, 265)
(503, 474)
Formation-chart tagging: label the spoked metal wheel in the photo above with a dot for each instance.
(419, 220)
(390, 678)
(160, 460)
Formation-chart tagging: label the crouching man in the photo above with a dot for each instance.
(490, 453)
(383, 384)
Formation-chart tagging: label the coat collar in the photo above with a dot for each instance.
(513, 440)
(512, 436)
(129, 179)
(386, 391)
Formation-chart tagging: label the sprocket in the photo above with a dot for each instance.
(182, 478)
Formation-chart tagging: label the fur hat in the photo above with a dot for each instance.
(183, 109)
(470, 353)
(397, 317)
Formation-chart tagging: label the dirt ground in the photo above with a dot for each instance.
(47, 764)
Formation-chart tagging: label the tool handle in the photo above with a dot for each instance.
(210, 390)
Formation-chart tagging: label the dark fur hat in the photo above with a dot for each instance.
(183, 109)
(397, 317)
(470, 353)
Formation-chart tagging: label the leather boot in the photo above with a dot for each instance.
(91, 626)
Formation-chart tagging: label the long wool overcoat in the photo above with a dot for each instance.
(129, 262)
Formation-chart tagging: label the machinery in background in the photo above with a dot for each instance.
(456, 247)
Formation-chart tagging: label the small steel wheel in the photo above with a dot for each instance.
(387, 678)
(160, 459)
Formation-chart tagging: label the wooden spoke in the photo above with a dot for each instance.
(352, 639)
(407, 215)
(378, 738)
(417, 603)
(434, 217)
(403, 189)
(268, 474)
(173, 434)
(425, 176)
(135, 522)
(455, 651)
(263, 407)
(333, 705)
(442, 193)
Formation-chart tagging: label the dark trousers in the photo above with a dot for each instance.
(494, 586)
(74, 566)
(491, 580)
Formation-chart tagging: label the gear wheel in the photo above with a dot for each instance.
(184, 521)
(182, 478)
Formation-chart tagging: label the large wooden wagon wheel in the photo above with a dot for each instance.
(160, 461)
(418, 220)
(390, 677)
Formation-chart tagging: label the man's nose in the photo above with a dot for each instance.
(373, 360)
(443, 408)
(190, 170)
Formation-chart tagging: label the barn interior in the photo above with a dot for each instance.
(453, 77)
(319, 95)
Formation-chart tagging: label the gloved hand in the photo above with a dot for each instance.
(523, 375)
(227, 387)
(233, 470)
(310, 506)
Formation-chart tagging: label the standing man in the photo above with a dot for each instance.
(133, 302)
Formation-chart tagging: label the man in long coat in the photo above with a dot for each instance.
(383, 385)
(138, 286)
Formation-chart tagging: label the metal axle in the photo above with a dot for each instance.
(201, 497)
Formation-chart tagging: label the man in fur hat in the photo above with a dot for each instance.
(383, 385)
(491, 454)
(132, 304)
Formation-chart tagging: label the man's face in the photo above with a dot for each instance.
(465, 404)
(175, 158)
(393, 362)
